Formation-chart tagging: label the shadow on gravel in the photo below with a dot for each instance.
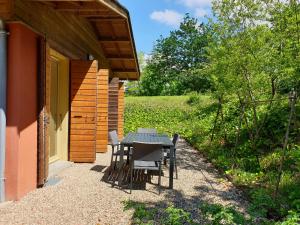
(190, 159)
(98, 168)
(178, 209)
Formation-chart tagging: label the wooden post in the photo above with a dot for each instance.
(44, 110)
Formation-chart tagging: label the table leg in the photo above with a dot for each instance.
(171, 170)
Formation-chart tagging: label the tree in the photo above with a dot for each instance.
(176, 62)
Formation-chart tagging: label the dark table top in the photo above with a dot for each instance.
(149, 138)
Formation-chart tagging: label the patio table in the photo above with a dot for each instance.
(149, 138)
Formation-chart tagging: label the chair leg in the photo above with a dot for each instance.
(111, 161)
(175, 162)
(116, 158)
(128, 155)
(176, 170)
(131, 177)
(159, 178)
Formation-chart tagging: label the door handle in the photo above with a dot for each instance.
(46, 120)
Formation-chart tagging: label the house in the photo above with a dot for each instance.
(62, 63)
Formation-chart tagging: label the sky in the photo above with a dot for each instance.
(152, 18)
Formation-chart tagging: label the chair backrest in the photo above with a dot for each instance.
(175, 139)
(114, 137)
(147, 151)
(147, 130)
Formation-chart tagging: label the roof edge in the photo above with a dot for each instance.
(131, 32)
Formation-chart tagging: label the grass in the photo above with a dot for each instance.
(166, 114)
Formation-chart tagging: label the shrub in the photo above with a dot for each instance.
(218, 214)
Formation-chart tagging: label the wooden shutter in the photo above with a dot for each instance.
(83, 111)
(113, 95)
(44, 109)
(102, 110)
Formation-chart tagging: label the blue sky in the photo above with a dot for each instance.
(152, 18)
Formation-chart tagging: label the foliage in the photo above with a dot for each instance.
(261, 203)
(141, 215)
(214, 214)
(218, 214)
(176, 62)
(293, 218)
(176, 216)
(146, 215)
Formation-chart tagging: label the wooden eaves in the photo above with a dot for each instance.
(109, 20)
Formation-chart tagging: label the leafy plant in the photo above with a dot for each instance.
(293, 218)
(176, 216)
(141, 215)
(218, 214)
(262, 203)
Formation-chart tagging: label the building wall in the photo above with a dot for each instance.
(113, 97)
(21, 149)
(121, 105)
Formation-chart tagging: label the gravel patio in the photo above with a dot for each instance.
(84, 196)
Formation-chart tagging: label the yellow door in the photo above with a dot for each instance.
(59, 101)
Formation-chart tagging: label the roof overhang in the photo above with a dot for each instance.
(112, 25)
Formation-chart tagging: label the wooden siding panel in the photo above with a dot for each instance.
(113, 104)
(102, 110)
(121, 105)
(83, 111)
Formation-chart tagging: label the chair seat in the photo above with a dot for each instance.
(145, 165)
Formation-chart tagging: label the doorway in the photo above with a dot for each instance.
(59, 102)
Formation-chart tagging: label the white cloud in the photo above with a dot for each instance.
(199, 12)
(200, 8)
(168, 17)
(195, 3)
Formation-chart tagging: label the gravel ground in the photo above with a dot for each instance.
(84, 197)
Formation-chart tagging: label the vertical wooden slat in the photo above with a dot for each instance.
(83, 111)
(102, 110)
(121, 104)
(113, 96)
(43, 112)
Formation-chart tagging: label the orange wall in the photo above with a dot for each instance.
(21, 149)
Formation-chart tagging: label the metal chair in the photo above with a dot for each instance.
(116, 148)
(147, 130)
(167, 153)
(146, 156)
